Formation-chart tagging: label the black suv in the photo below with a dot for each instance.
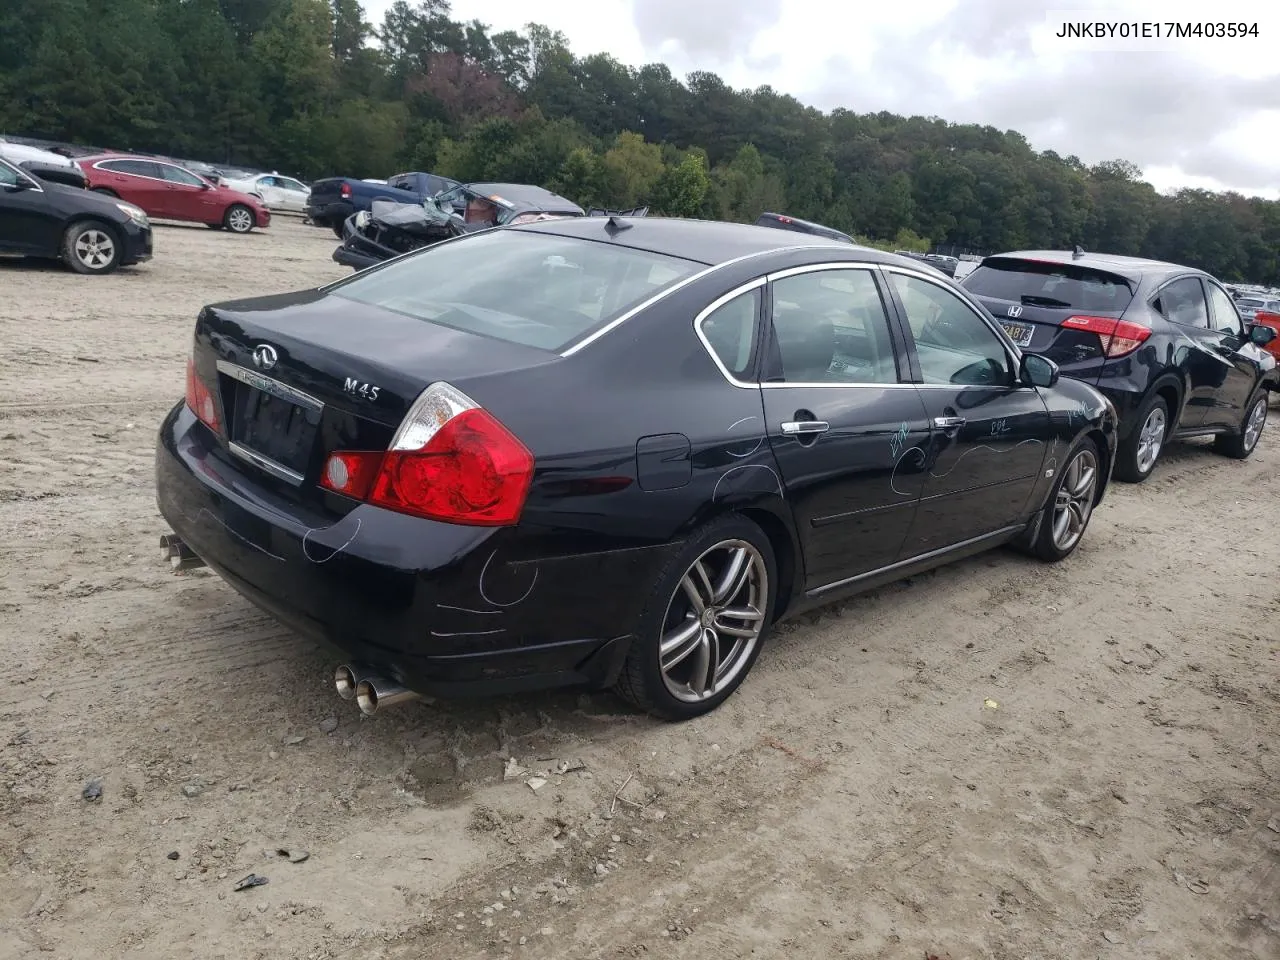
(1163, 342)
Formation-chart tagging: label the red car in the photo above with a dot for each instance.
(1271, 320)
(170, 192)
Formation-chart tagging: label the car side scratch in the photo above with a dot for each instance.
(488, 599)
(747, 466)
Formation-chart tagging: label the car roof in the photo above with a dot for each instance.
(523, 195)
(1131, 268)
(711, 242)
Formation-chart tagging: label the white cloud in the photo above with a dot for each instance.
(1193, 112)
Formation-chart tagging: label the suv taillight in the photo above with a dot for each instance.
(200, 399)
(346, 191)
(451, 460)
(1119, 337)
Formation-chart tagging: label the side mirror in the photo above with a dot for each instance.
(1261, 334)
(1038, 371)
(21, 184)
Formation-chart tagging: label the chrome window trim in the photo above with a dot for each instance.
(98, 165)
(269, 385)
(707, 311)
(34, 181)
(675, 287)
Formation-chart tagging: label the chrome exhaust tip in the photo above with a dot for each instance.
(179, 555)
(167, 545)
(346, 677)
(374, 693)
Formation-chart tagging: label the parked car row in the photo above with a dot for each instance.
(614, 452)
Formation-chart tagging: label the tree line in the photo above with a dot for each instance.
(309, 87)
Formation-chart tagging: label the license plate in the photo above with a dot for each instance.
(1019, 333)
(274, 428)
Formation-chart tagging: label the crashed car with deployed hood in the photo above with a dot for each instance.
(389, 229)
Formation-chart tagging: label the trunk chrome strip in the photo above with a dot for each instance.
(270, 466)
(269, 385)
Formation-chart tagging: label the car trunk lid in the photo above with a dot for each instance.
(296, 378)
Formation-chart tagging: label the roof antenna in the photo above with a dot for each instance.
(1077, 253)
(616, 225)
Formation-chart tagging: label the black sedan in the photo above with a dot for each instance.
(610, 452)
(88, 232)
(1164, 342)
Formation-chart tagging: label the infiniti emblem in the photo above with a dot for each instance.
(265, 356)
(1015, 310)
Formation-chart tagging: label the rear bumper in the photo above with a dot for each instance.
(330, 213)
(443, 609)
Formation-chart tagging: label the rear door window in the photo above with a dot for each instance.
(1042, 284)
(1226, 319)
(137, 168)
(1182, 301)
(548, 291)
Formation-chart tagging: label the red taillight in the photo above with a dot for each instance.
(200, 399)
(1118, 337)
(450, 461)
(346, 191)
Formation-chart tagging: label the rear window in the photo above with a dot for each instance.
(1061, 285)
(522, 287)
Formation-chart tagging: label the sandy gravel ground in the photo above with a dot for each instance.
(858, 798)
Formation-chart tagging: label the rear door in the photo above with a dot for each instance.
(1032, 298)
(848, 433)
(1204, 369)
(990, 432)
(140, 182)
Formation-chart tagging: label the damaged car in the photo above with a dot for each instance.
(390, 229)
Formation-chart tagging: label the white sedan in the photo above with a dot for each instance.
(277, 192)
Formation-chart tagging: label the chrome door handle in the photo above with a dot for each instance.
(949, 423)
(797, 427)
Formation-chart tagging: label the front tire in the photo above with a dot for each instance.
(1240, 446)
(705, 622)
(238, 218)
(91, 247)
(1067, 513)
(1137, 456)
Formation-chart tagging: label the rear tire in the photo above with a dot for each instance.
(91, 247)
(1069, 508)
(239, 218)
(711, 610)
(336, 227)
(1240, 445)
(1138, 454)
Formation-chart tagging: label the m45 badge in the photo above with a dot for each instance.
(357, 389)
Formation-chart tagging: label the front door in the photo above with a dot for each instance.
(1243, 358)
(848, 433)
(990, 432)
(28, 222)
(189, 197)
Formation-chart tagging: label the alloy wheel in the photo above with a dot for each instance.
(714, 621)
(240, 220)
(1074, 502)
(1253, 426)
(95, 249)
(1151, 439)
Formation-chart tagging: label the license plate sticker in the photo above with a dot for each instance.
(1019, 333)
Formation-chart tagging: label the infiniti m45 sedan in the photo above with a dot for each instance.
(610, 452)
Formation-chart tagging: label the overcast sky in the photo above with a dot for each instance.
(1191, 112)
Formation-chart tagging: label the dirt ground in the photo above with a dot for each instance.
(997, 760)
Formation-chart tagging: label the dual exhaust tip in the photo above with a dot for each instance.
(370, 691)
(179, 555)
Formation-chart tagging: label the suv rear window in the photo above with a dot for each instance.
(1062, 285)
(515, 285)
